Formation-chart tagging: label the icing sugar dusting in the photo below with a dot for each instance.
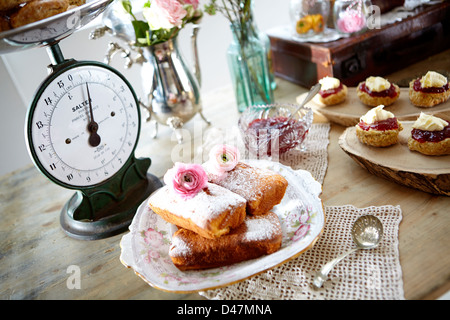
(204, 207)
(179, 248)
(261, 228)
(245, 180)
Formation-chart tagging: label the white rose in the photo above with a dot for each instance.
(157, 19)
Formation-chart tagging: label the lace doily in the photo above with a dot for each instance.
(363, 275)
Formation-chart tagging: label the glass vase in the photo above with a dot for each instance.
(249, 68)
(264, 39)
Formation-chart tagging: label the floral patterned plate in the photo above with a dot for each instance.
(145, 248)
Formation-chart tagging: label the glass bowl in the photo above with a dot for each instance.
(267, 133)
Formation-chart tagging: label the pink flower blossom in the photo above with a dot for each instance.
(164, 14)
(351, 21)
(186, 179)
(152, 255)
(301, 232)
(153, 238)
(194, 3)
(223, 158)
(304, 218)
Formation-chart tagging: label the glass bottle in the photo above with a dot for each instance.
(249, 68)
(264, 38)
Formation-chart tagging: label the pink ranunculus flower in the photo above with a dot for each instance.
(186, 179)
(164, 14)
(223, 158)
(194, 3)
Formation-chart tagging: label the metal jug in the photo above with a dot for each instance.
(172, 90)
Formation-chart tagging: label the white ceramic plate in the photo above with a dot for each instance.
(145, 248)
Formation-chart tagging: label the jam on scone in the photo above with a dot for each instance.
(430, 90)
(377, 91)
(332, 91)
(378, 128)
(430, 135)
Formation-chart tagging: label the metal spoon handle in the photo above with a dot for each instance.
(314, 90)
(322, 275)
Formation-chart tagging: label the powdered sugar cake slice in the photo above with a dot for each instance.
(211, 213)
(262, 188)
(145, 248)
(257, 236)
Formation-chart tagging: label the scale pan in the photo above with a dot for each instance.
(52, 29)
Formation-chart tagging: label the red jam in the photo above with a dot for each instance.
(329, 92)
(418, 87)
(391, 93)
(288, 133)
(430, 136)
(383, 125)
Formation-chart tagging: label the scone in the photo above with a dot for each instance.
(76, 3)
(430, 90)
(377, 91)
(378, 128)
(189, 201)
(38, 10)
(430, 135)
(332, 91)
(11, 4)
(257, 236)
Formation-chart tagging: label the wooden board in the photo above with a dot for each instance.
(398, 164)
(348, 112)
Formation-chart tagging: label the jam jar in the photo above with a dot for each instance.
(309, 17)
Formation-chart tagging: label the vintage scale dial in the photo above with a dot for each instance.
(81, 130)
(84, 126)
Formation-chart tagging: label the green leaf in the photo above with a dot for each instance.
(141, 29)
(210, 9)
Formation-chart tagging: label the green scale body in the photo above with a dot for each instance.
(81, 130)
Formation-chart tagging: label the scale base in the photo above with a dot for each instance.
(112, 224)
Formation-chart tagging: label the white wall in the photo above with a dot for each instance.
(22, 72)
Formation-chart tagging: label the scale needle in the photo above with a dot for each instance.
(94, 138)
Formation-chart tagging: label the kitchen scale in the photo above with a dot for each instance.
(82, 128)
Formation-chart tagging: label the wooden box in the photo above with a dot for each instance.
(376, 52)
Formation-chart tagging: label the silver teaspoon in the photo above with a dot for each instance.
(367, 232)
(312, 92)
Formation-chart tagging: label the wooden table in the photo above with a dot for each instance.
(36, 256)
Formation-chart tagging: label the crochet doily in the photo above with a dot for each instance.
(364, 275)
